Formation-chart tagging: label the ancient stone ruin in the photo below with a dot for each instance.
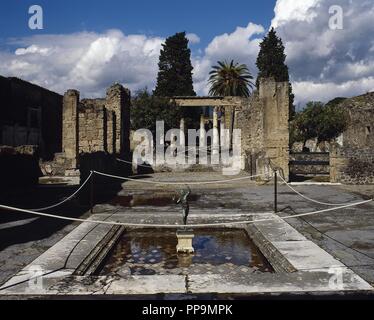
(262, 119)
(352, 159)
(65, 128)
(91, 126)
(30, 115)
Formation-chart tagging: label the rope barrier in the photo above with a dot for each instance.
(169, 226)
(131, 179)
(310, 199)
(178, 183)
(68, 198)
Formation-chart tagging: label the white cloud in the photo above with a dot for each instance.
(193, 38)
(32, 49)
(240, 45)
(291, 10)
(325, 63)
(318, 91)
(89, 62)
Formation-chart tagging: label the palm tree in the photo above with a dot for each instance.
(230, 79)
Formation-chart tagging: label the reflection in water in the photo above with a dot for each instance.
(150, 252)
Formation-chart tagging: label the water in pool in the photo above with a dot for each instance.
(217, 251)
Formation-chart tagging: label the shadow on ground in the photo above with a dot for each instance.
(41, 196)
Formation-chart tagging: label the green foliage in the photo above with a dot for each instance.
(291, 98)
(230, 79)
(175, 68)
(146, 109)
(332, 122)
(175, 78)
(271, 58)
(295, 134)
(324, 122)
(271, 63)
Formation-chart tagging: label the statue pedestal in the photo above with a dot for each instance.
(185, 238)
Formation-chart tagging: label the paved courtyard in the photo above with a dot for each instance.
(348, 235)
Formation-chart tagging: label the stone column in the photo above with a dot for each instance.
(118, 100)
(70, 127)
(202, 132)
(274, 97)
(215, 133)
(182, 137)
(224, 141)
(110, 131)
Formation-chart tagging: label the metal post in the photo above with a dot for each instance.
(92, 192)
(275, 191)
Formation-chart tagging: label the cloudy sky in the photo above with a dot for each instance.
(88, 45)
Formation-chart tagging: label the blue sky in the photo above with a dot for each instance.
(88, 45)
(163, 18)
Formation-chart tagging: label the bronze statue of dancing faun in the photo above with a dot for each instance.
(183, 201)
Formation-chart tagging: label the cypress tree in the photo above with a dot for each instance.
(271, 62)
(175, 68)
(175, 75)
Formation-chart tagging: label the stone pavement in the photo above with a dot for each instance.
(346, 234)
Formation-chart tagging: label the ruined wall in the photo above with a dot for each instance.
(30, 115)
(94, 126)
(250, 119)
(275, 99)
(111, 131)
(352, 162)
(352, 165)
(70, 131)
(263, 120)
(360, 131)
(118, 100)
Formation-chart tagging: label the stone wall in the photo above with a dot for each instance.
(360, 131)
(309, 163)
(352, 161)
(30, 115)
(352, 165)
(118, 100)
(70, 130)
(263, 120)
(94, 126)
